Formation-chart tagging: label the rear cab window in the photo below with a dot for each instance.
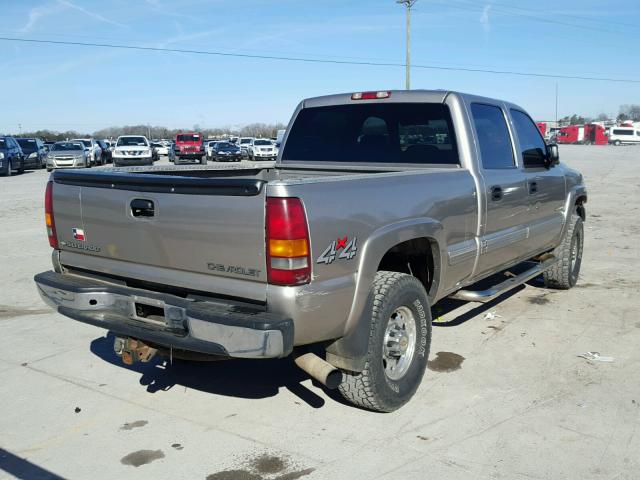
(496, 150)
(382, 133)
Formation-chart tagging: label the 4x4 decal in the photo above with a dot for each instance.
(343, 248)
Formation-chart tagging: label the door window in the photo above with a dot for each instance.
(494, 140)
(532, 146)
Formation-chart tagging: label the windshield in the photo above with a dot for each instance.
(27, 143)
(188, 138)
(66, 146)
(132, 142)
(405, 133)
(227, 146)
(86, 143)
(262, 142)
(245, 140)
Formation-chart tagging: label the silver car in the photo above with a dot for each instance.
(67, 155)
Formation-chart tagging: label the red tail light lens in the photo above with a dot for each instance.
(48, 215)
(287, 242)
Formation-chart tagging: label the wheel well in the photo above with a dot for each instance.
(580, 201)
(415, 257)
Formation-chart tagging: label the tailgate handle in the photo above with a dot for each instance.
(142, 208)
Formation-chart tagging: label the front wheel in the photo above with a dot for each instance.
(564, 274)
(399, 341)
(617, 143)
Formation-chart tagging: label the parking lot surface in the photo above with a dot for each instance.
(505, 395)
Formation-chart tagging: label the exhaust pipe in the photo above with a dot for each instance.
(319, 369)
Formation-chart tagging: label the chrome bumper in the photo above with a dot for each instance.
(227, 328)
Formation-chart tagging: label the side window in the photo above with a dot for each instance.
(534, 150)
(493, 137)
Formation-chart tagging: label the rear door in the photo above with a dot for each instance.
(504, 232)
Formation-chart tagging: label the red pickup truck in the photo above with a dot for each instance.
(190, 147)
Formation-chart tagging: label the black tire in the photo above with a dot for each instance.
(372, 388)
(617, 143)
(9, 165)
(21, 167)
(203, 161)
(564, 274)
(49, 169)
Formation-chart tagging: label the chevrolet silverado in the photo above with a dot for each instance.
(379, 205)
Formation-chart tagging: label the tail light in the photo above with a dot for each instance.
(48, 215)
(287, 242)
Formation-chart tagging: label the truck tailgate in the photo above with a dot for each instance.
(211, 226)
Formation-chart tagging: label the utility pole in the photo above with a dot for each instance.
(556, 104)
(408, 4)
(20, 128)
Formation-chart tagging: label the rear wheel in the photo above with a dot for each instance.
(399, 340)
(564, 274)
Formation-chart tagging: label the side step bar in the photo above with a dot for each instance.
(489, 294)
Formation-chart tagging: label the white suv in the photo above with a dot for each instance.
(132, 150)
(262, 149)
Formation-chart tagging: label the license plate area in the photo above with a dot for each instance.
(158, 313)
(149, 311)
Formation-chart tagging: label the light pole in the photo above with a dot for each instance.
(408, 4)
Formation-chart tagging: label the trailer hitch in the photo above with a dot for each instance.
(132, 350)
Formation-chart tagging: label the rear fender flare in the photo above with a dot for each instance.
(348, 352)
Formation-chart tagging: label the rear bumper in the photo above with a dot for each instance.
(224, 327)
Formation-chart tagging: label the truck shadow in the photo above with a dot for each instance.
(251, 379)
(448, 307)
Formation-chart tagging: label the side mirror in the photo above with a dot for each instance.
(553, 156)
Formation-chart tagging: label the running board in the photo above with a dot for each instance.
(489, 294)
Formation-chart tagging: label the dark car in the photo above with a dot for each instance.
(106, 152)
(11, 156)
(226, 152)
(35, 153)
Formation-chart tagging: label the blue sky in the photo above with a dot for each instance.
(67, 87)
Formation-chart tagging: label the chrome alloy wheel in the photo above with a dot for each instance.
(399, 343)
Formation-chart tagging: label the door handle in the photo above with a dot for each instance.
(142, 208)
(496, 193)
(533, 187)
